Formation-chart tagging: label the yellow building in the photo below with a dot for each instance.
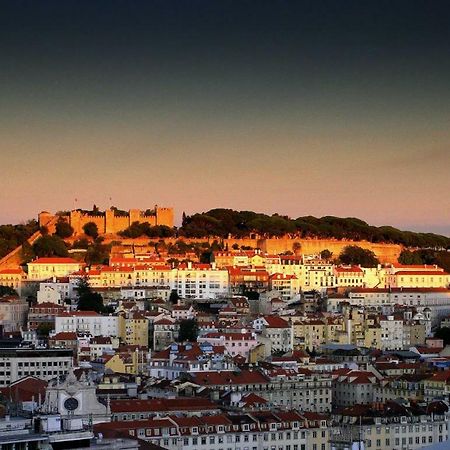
(311, 331)
(45, 268)
(133, 328)
(130, 359)
(12, 278)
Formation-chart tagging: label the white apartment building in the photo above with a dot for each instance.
(87, 322)
(392, 336)
(16, 363)
(277, 330)
(410, 429)
(201, 281)
(287, 430)
(435, 300)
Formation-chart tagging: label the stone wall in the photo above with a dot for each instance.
(386, 253)
(110, 223)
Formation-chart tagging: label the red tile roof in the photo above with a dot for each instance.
(55, 261)
(276, 322)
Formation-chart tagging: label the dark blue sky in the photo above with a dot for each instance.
(338, 107)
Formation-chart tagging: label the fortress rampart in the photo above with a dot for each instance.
(111, 222)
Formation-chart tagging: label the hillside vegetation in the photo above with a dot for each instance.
(11, 236)
(224, 222)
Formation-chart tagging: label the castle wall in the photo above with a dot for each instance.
(78, 220)
(120, 223)
(109, 223)
(386, 253)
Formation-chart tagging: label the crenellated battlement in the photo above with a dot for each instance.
(109, 222)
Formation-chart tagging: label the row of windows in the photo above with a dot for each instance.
(411, 440)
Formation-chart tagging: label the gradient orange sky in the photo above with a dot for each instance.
(233, 107)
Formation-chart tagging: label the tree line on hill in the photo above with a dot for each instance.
(11, 236)
(92, 249)
(224, 222)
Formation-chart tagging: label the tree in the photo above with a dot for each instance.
(82, 243)
(354, 255)
(188, 330)
(326, 254)
(444, 334)
(91, 229)
(44, 329)
(63, 228)
(98, 253)
(7, 290)
(26, 253)
(50, 246)
(174, 297)
(43, 230)
(88, 300)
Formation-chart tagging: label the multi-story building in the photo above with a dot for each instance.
(287, 286)
(239, 343)
(12, 278)
(136, 409)
(392, 336)
(43, 314)
(302, 388)
(351, 387)
(311, 331)
(165, 331)
(416, 276)
(16, 363)
(394, 425)
(89, 322)
(133, 328)
(436, 301)
(277, 331)
(13, 313)
(348, 277)
(200, 281)
(58, 290)
(179, 359)
(261, 430)
(45, 268)
(252, 278)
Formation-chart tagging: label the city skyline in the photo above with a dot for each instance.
(287, 107)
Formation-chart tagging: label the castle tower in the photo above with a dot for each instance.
(134, 215)
(164, 216)
(109, 221)
(44, 218)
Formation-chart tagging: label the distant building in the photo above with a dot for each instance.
(45, 268)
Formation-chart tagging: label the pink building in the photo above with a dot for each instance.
(236, 344)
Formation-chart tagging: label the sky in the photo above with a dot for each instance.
(296, 107)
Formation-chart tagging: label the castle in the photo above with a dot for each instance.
(110, 221)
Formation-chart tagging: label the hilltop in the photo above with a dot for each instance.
(226, 222)
(226, 227)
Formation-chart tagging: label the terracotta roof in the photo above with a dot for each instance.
(162, 404)
(65, 336)
(346, 269)
(276, 322)
(79, 314)
(55, 261)
(11, 272)
(229, 378)
(25, 390)
(422, 272)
